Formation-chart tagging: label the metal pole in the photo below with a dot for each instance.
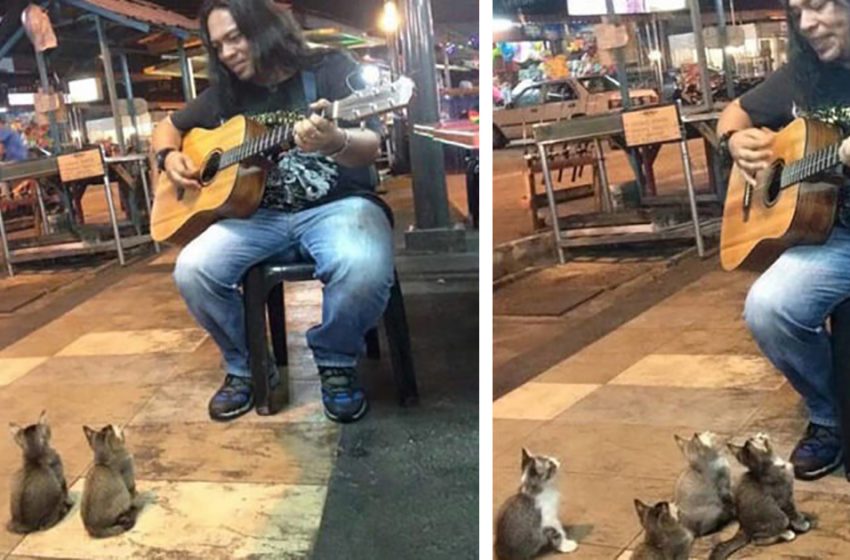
(7, 254)
(131, 103)
(699, 43)
(110, 84)
(51, 115)
(550, 195)
(619, 58)
(143, 171)
(447, 73)
(607, 203)
(185, 71)
(112, 216)
(42, 209)
(431, 201)
(724, 41)
(689, 178)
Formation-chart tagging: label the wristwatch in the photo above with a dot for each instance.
(160, 157)
(723, 144)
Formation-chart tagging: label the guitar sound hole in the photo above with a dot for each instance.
(773, 182)
(211, 168)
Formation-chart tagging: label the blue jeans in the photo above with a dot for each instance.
(350, 241)
(786, 311)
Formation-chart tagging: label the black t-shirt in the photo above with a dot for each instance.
(299, 180)
(777, 101)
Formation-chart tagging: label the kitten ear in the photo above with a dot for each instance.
(526, 458)
(641, 509)
(681, 442)
(43, 418)
(737, 451)
(119, 433)
(90, 435)
(17, 433)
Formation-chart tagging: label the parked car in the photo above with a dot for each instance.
(554, 100)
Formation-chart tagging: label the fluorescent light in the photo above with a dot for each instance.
(371, 74)
(501, 24)
(4, 109)
(21, 98)
(389, 18)
(85, 90)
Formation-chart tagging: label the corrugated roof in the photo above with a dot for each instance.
(147, 12)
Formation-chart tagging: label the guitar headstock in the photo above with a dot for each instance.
(368, 102)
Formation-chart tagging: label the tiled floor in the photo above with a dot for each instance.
(610, 411)
(254, 488)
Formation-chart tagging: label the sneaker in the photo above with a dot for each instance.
(818, 453)
(342, 396)
(235, 397)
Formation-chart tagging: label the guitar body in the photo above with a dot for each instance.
(777, 219)
(179, 215)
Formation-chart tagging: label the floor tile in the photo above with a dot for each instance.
(540, 401)
(711, 341)
(291, 454)
(185, 401)
(710, 371)
(12, 369)
(722, 411)
(135, 342)
(198, 520)
(509, 436)
(590, 368)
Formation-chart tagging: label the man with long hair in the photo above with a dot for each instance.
(319, 202)
(787, 307)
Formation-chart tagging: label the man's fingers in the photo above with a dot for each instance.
(760, 156)
(320, 105)
(320, 123)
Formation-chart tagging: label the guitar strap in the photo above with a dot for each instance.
(308, 80)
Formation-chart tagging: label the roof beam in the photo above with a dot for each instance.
(111, 16)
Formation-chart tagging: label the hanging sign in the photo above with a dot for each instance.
(37, 24)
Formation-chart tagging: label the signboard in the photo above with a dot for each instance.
(80, 165)
(652, 126)
(600, 8)
(610, 36)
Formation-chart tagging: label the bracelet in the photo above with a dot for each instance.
(345, 144)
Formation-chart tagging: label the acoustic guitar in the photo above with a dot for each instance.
(793, 202)
(231, 190)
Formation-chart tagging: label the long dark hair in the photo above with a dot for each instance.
(277, 43)
(810, 73)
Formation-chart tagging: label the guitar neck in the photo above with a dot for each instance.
(256, 146)
(811, 165)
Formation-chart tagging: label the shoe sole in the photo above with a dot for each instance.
(361, 412)
(233, 414)
(822, 472)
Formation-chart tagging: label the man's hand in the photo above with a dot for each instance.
(751, 150)
(318, 134)
(181, 170)
(844, 152)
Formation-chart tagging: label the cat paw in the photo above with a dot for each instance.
(801, 525)
(567, 546)
(788, 535)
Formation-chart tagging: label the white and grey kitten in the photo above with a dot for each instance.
(703, 491)
(528, 522)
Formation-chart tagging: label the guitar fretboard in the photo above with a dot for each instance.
(258, 145)
(810, 165)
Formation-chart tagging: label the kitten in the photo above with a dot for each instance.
(764, 499)
(110, 504)
(703, 492)
(665, 537)
(39, 498)
(528, 522)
